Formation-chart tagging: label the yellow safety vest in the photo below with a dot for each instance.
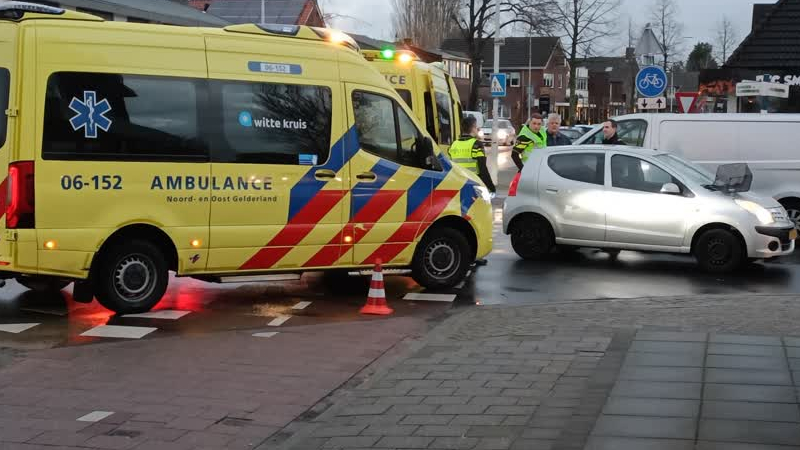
(537, 140)
(463, 153)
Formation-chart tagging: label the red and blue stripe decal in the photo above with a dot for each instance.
(308, 204)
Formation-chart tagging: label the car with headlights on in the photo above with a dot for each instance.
(627, 198)
(505, 132)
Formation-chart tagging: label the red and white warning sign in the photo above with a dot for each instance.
(687, 101)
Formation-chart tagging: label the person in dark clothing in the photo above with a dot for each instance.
(610, 134)
(468, 152)
(554, 136)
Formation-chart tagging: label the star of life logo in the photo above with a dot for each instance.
(90, 114)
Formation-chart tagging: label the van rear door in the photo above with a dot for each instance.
(8, 70)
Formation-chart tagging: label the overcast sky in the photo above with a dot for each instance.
(373, 18)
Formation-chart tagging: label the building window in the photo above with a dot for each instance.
(513, 79)
(561, 81)
(548, 80)
(582, 84)
(98, 13)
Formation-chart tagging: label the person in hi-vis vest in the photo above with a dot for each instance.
(530, 137)
(468, 152)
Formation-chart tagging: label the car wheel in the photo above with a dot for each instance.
(532, 238)
(719, 251)
(442, 259)
(792, 208)
(43, 284)
(131, 277)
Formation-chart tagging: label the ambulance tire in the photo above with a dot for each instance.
(442, 259)
(131, 277)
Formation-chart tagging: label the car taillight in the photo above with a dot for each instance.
(20, 198)
(512, 188)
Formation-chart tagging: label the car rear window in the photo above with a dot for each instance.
(5, 87)
(583, 167)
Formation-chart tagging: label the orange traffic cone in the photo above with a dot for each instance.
(376, 300)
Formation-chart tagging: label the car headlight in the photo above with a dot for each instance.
(480, 133)
(483, 193)
(763, 215)
(502, 134)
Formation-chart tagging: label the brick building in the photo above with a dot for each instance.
(538, 63)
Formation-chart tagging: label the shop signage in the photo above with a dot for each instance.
(791, 80)
(760, 88)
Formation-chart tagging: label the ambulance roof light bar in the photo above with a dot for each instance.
(15, 10)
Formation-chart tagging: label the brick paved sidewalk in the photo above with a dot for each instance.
(222, 391)
(682, 373)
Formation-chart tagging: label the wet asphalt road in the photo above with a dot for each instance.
(570, 275)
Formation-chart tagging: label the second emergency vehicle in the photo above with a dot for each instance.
(427, 88)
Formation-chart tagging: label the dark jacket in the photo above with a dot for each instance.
(557, 139)
(614, 140)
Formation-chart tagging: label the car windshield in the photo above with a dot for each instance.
(689, 170)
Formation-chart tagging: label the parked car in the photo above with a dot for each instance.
(766, 142)
(477, 115)
(625, 198)
(572, 133)
(506, 134)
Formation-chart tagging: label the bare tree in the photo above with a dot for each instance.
(426, 22)
(668, 29)
(727, 39)
(476, 18)
(582, 23)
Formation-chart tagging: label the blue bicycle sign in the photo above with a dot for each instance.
(651, 81)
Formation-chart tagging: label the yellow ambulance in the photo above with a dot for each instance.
(132, 150)
(426, 87)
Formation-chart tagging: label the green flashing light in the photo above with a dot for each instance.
(387, 53)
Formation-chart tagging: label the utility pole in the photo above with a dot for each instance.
(263, 11)
(530, 84)
(496, 109)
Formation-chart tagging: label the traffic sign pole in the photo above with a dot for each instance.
(495, 160)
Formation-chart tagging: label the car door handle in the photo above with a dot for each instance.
(324, 174)
(367, 176)
(551, 190)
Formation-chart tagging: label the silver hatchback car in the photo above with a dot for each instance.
(624, 198)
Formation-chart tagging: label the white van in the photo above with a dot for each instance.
(768, 143)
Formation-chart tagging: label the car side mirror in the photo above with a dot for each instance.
(670, 189)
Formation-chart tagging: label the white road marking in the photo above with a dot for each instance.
(301, 305)
(120, 332)
(430, 297)
(17, 328)
(95, 416)
(165, 314)
(265, 335)
(278, 321)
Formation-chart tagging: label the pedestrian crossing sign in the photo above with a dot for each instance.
(498, 85)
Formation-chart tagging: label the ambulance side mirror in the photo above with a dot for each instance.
(426, 154)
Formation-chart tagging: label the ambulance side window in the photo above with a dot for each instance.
(5, 86)
(445, 118)
(99, 116)
(272, 123)
(385, 130)
(405, 94)
(429, 119)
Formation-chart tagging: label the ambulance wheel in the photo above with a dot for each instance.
(442, 259)
(43, 284)
(131, 277)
